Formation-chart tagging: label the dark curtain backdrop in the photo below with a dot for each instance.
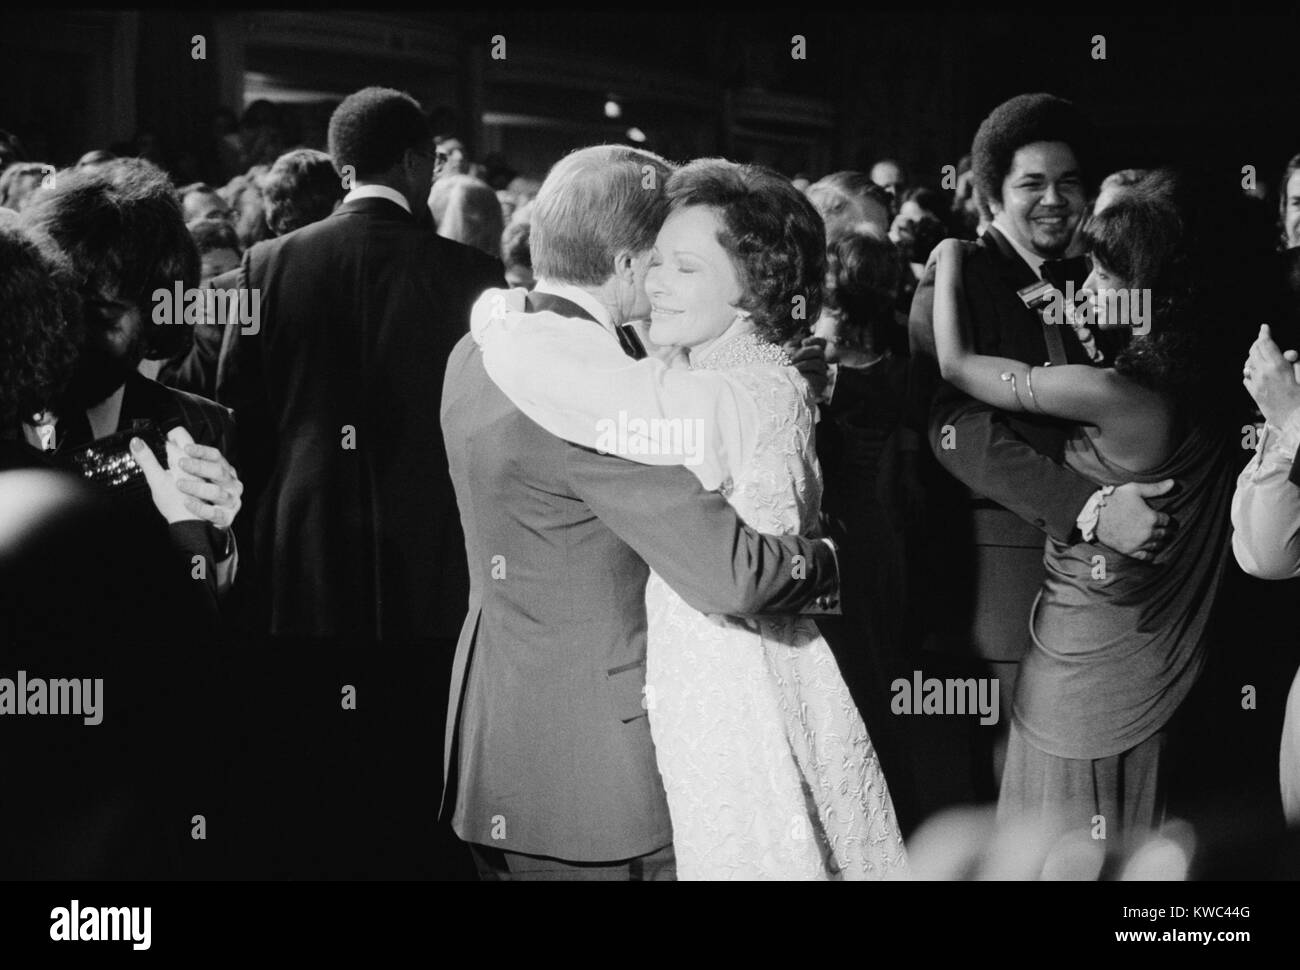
(176, 94)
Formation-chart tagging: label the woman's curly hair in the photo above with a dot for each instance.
(1193, 245)
(122, 230)
(773, 234)
(39, 310)
(862, 283)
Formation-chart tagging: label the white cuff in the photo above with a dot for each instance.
(1091, 514)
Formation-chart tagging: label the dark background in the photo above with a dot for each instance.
(902, 81)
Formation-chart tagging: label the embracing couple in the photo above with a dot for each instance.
(639, 690)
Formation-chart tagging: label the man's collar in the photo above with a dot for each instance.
(141, 399)
(1031, 258)
(378, 192)
(576, 294)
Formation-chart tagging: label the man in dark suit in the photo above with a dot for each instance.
(336, 395)
(999, 483)
(549, 758)
(301, 188)
(356, 535)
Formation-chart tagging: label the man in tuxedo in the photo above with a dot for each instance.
(301, 188)
(999, 483)
(550, 763)
(336, 395)
(356, 534)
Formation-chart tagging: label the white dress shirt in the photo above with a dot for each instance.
(378, 192)
(1266, 542)
(1266, 506)
(579, 296)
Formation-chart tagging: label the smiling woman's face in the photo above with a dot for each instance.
(692, 282)
(1099, 289)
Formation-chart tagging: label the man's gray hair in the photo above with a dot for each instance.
(595, 203)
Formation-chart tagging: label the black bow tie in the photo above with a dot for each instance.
(629, 340)
(1058, 271)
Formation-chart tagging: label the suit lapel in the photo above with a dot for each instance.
(550, 303)
(146, 400)
(1061, 344)
(626, 333)
(1013, 268)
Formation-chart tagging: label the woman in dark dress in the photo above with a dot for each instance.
(864, 486)
(1119, 642)
(858, 429)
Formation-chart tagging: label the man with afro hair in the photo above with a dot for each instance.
(996, 485)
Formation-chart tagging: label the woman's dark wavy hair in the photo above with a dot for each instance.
(38, 332)
(1202, 254)
(773, 234)
(930, 200)
(917, 239)
(122, 230)
(863, 274)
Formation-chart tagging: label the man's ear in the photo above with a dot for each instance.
(410, 163)
(625, 266)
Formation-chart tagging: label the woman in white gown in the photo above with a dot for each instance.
(767, 766)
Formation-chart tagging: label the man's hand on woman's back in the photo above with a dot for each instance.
(1130, 526)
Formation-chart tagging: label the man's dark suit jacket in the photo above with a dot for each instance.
(337, 403)
(207, 422)
(547, 724)
(1000, 487)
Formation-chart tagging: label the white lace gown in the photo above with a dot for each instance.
(766, 762)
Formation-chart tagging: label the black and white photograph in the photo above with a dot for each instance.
(647, 443)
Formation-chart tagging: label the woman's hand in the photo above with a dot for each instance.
(197, 484)
(809, 359)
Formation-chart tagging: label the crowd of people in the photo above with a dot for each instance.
(1015, 407)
